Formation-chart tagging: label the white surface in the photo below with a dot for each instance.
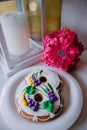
(74, 16)
(64, 121)
(15, 30)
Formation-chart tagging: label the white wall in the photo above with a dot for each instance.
(74, 15)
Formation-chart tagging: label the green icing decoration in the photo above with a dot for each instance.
(29, 90)
(36, 74)
(41, 72)
(43, 89)
(47, 105)
(50, 86)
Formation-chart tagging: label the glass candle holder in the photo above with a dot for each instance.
(18, 49)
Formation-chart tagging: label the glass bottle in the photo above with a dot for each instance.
(33, 10)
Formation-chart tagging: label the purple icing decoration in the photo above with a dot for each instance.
(33, 104)
(51, 95)
(35, 80)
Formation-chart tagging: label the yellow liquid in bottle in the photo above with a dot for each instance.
(53, 14)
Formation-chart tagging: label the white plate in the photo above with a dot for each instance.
(72, 103)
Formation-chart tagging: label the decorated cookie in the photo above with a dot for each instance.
(39, 100)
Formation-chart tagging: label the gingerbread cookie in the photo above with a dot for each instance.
(39, 100)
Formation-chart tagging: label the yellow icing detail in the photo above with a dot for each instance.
(23, 101)
(31, 82)
(23, 95)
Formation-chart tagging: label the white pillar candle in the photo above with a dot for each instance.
(15, 30)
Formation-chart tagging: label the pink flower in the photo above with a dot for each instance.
(62, 49)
